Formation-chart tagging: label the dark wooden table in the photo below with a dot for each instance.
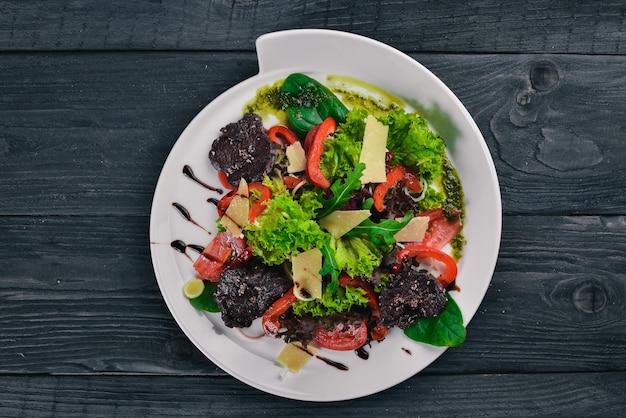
(93, 94)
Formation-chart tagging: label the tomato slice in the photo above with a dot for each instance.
(343, 337)
(224, 181)
(225, 250)
(440, 230)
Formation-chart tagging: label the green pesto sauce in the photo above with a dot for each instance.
(455, 201)
(269, 101)
(356, 93)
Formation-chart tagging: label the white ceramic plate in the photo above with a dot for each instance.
(319, 53)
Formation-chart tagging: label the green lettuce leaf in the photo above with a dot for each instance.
(286, 227)
(341, 300)
(414, 145)
(341, 154)
(357, 256)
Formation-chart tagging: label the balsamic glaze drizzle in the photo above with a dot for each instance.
(189, 173)
(362, 353)
(185, 214)
(333, 363)
(181, 247)
(328, 361)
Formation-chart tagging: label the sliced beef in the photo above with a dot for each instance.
(243, 150)
(245, 293)
(409, 296)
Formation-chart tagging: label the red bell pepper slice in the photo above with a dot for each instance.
(271, 318)
(292, 182)
(422, 251)
(309, 138)
(394, 175)
(224, 251)
(379, 331)
(440, 229)
(259, 206)
(316, 149)
(281, 135)
(344, 337)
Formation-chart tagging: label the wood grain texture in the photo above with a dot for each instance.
(411, 25)
(94, 94)
(574, 394)
(85, 300)
(87, 133)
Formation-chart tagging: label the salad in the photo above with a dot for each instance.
(341, 221)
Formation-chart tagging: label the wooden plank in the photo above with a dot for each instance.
(574, 394)
(479, 26)
(84, 133)
(559, 286)
(79, 296)
(88, 133)
(553, 126)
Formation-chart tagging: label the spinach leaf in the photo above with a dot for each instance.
(444, 330)
(308, 103)
(206, 301)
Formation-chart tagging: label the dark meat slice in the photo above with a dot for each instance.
(245, 293)
(411, 295)
(303, 328)
(243, 150)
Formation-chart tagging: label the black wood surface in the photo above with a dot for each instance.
(87, 133)
(94, 94)
(507, 26)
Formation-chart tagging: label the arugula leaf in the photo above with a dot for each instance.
(342, 191)
(380, 233)
(206, 301)
(443, 330)
(330, 266)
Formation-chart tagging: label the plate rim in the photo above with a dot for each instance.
(253, 81)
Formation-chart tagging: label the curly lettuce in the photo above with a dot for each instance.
(286, 226)
(357, 256)
(342, 300)
(414, 145)
(341, 154)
